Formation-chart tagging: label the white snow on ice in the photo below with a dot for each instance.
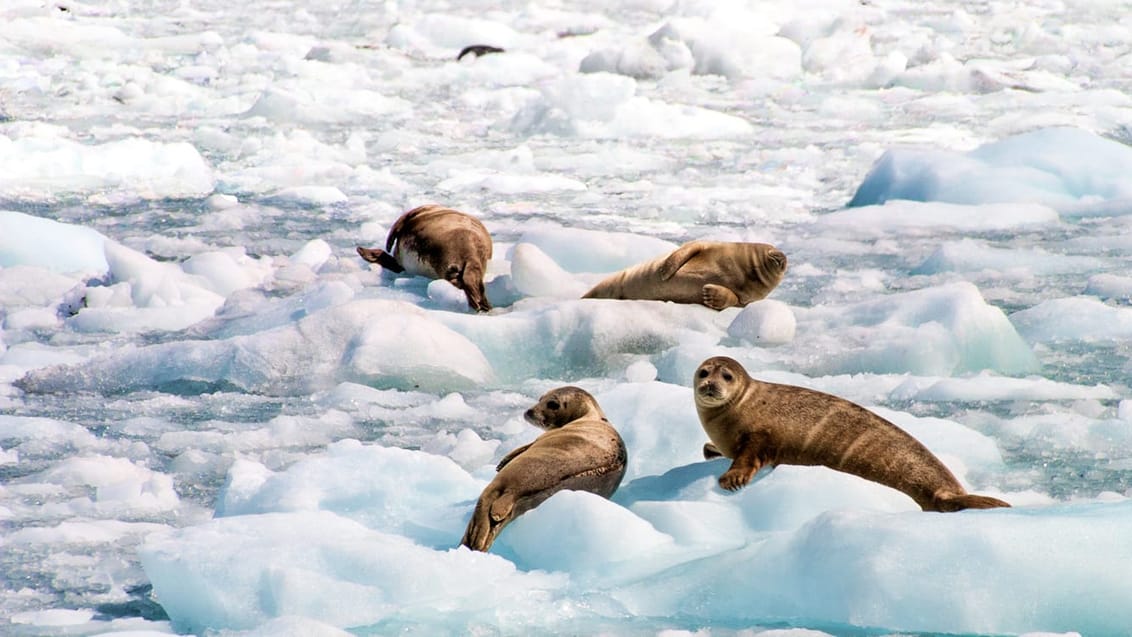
(215, 419)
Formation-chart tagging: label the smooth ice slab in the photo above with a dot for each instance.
(1065, 168)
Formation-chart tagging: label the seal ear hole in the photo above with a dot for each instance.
(552, 405)
(703, 373)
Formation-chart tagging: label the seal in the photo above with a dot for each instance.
(580, 451)
(478, 50)
(757, 424)
(713, 273)
(438, 243)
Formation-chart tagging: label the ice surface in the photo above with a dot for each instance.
(40, 168)
(1030, 167)
(44, 243)
(215, 418)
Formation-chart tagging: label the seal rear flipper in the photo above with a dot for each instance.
(968, 501)
(493, 512)
(380, 257)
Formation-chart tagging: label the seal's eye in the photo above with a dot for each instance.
(703, 373)
(727, 376)
(552, 405)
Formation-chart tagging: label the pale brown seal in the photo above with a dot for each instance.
(580, 451)
(756, 424)
(715, 273)
(438, 243)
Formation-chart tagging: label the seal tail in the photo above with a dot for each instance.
(968, 501)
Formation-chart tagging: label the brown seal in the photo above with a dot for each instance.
(478, 50)
(715, 273)
(580, 451)
(438, 243)
(757, 424)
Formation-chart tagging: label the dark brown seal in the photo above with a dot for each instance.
(757, 424)
(580, 451)
(715, 273)
(438, 243)
(478, 50)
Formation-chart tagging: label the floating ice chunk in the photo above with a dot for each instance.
(1080, 318)
(638, 59)
(42, 169)
(904, 216)
(383, 343)
(410, 493)
(938, 331)
(1064, 168)
(30, 286)
(640, 372)
(844, 54)
(308, 102)
(313, 254)
(533, 273)
(311, 195)
(239, 572)
(48, 244)
(968, 255)
(56, 617)
(228, 270)
(578, 250)
(583, 534)
(145, 295)
(726, 45)
(603, 105)
(118, 483)
(455, 32)
(1110, 286)
(765, 322)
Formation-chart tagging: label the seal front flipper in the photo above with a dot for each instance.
(676, 260)
(718, 297)
(511, 456)
(380, 257)
(967, 501)
(751, 454)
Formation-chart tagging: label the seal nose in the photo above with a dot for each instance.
(708, 388)
(529, 416)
